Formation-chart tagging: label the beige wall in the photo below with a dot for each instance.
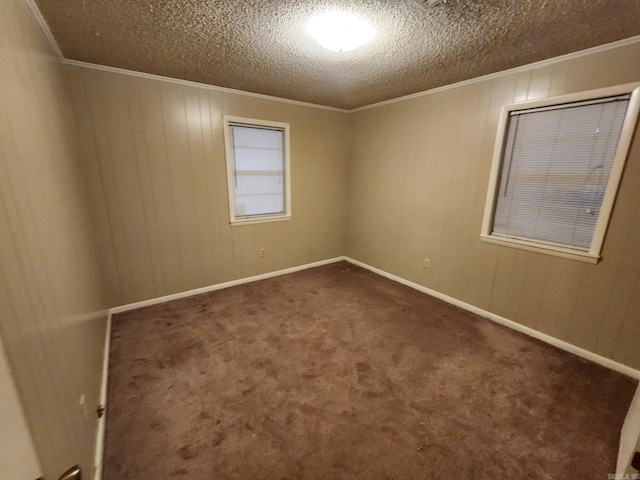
(50, 295)
(418, 179)
(129, 202)
(155, 153)
(16, 448)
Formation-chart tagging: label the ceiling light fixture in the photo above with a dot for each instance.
(340, 32)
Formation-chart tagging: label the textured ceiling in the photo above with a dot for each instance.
(263, 46)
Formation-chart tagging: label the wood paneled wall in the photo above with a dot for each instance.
(418, 179)
(154, 152)
(128, 201)
(52, 321)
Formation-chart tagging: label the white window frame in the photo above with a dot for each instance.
(276, 217)
(624, 143)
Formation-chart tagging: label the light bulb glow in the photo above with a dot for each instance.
(340, 32)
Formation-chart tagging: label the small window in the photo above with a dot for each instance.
(557, 167)
(257, 170)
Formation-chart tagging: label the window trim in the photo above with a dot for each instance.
(619, 160)
(253, 219)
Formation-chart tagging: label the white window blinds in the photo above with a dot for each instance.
(555, 169)
(258, 169)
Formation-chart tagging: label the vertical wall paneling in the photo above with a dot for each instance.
(434, 153)
(158, 183)
(156, 153)
(153, 240)
(53, 296)
(96, 198)
(181, 179)
(106, 175)
(114, 190)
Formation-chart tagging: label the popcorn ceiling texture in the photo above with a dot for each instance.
(263, 46)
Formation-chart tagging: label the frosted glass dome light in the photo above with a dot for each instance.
(340, 32)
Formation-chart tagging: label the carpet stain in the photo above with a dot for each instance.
(187, 453)
(335, 372)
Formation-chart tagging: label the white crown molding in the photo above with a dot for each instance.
(206, 86)
(550, 61)
(521, 68)
(52, 41)
(45, 28)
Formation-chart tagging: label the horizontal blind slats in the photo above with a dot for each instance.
(554, 173)
(258, 169)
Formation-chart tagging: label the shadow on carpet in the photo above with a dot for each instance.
(335, 372)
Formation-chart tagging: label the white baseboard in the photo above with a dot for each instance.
(631, 428)
(220, 286)
(632, 424)
(561, 344)
(99, 454)
(581, 352)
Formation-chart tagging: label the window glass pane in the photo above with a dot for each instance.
(257, 137)
(554, 172)
(258, 170)
(254, 159)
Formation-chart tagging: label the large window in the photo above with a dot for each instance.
(257, 170)
(557, 167)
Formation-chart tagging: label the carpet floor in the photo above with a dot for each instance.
(335, 372)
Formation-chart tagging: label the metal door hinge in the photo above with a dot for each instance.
(100, 410)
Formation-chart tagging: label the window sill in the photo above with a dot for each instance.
(585, 257)
(253, 220)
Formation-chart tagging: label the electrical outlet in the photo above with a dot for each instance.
(262, 252)
(426, 263)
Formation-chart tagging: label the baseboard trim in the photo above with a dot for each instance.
(221, 286)
(99, 453)
(581, 352)
(631, 423)
(561, 344)
(631, 429)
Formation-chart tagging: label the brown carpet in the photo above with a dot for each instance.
(335, 372)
